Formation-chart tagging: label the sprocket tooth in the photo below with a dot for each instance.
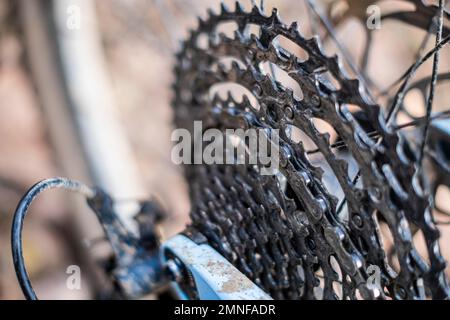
(275, 18)
(221, 69)
(230, 98)
(313, 44)
(256, 10)
(201, 23)
(246, 101)
(235, 71)
(335, 62)
(223, 8)
(254, 38)
(235, 65)
(192, 36)
(264, 79)
(239, 36)
(212, 40)
(293, 29)
(210, 14)
(266, 37)
(238, 8)
(222, 37)
(217, 100)
(255, 41)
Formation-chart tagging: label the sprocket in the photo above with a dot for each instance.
(287, 233)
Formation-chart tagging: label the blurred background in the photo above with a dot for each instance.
(116, 70)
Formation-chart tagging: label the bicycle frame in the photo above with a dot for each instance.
(214, 277)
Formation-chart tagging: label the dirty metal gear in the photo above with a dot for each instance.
(287, 231)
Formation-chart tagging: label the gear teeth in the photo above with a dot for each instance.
(238, 7)
(216, 100)
(256, 9)
(212, 14)
(212, 40)
(224, 8)
(312, 43)
(235, 72)
(192, 37)
(267, 82)
(255, 42)
(293, 29)
(223, 37)
(221, 69)
(253, 37)
(246, 101)
(230, 98)
(235, 65)
(335, 61)
(200, 23)
(239, 36)
(275, 17)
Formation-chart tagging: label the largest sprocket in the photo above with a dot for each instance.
(284, 231)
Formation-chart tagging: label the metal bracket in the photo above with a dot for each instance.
(215, 277)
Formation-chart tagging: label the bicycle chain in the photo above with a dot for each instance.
(284, 240)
